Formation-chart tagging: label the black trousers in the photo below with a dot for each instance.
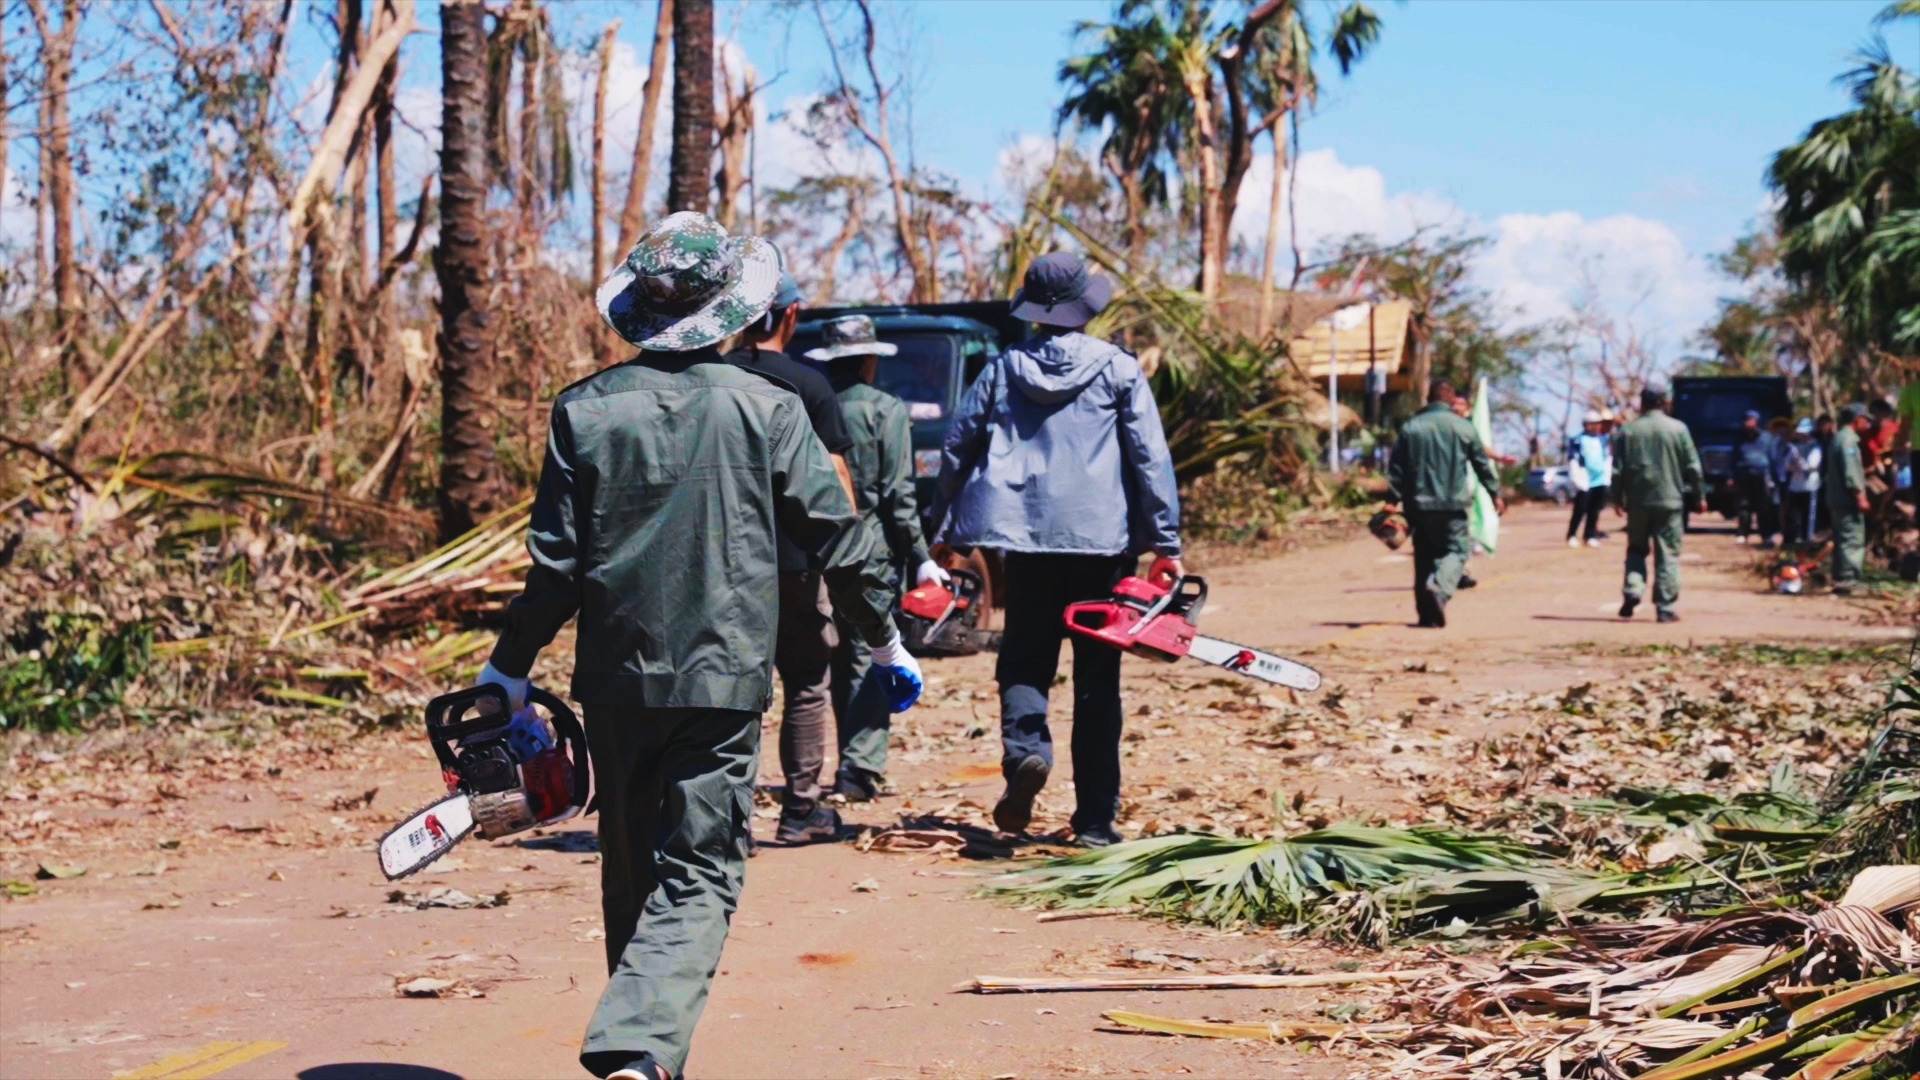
(1797, 516)
(1039, 588)
(1756, 505)
(1587, 505)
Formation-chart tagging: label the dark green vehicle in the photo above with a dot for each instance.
(943, 347)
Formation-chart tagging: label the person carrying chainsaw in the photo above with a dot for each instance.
(881, 461)
(1429, 476)
(1056, 457)
(804, 644)
(664, 480)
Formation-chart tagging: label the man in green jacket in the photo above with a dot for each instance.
(881, 461)
(1429, 477)
(1656, 477)
(1844, 480)
(664, 479)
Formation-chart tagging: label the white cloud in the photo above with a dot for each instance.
(1539, 266)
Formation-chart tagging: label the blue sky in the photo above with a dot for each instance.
(1609, 147)
(1629, 136)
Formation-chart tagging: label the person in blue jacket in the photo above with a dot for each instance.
(1057, 458)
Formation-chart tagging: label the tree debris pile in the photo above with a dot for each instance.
(1753, 992)
(173, 587)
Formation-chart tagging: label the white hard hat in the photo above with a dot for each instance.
(1593, 417)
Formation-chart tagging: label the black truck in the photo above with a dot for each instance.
(1713, 408)
(943, 347)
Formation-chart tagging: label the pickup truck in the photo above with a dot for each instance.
(943, 347)
(1713, 407)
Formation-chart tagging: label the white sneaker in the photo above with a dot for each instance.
(1593, 543)
(1573, 541)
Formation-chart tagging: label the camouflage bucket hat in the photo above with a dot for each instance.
(850, 335)
(687, 284)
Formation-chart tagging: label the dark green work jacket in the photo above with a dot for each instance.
(663, 482)
(1842, 476)
(1655, 464)
(1433, 460)
(881, 461)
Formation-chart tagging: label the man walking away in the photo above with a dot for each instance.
(1659, 477)
(882, 465)
(654, 521)
(1056, 456)
(803, 645)
(1430, 477)
(1590, 461)
(1845, 482)
(1803, 484)
(1752, 470)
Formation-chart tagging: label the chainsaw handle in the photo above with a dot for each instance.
(446, 717)
(965, 584)
(1189, 596)
(567, 729)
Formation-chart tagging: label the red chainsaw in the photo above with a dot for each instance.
(943, 619)
(1158, 622)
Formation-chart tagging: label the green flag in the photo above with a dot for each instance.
(1483, 524)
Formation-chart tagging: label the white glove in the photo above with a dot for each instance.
(930, 571)
(516, 688)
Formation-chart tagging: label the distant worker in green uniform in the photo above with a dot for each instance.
(1430, 477)
(881, 461)
(1656, 478)
(1844, 480)
(664, 480)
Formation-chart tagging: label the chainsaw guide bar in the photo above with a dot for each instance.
(431, 832)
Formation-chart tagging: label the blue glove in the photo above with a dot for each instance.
(899, 673)
(516, 688)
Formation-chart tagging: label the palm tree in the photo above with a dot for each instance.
(1127, 86)
(1286, 83)
(690, 169)
(468, 468)
(1238, 81)
(1849, 215)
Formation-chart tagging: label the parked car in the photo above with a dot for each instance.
(1551, 482)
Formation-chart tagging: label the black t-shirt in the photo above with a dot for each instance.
(823, 411)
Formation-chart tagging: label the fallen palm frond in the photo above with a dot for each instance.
(1754, 994)
(1357, 880)
(1051, 984)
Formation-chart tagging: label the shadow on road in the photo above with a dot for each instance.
(376, 1070)
(1358, 625)
(1582, 618)
(579, 841)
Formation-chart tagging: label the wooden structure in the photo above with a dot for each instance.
(1380, 334)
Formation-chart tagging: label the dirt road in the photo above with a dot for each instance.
(232, 922)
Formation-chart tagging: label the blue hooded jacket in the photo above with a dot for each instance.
(1057, 447)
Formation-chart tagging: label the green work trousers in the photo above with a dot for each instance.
(859, 706)
(1658, 532)
(1849, 542)
(1440, 550)
(676, 801)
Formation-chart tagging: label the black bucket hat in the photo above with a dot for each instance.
(1059, 291)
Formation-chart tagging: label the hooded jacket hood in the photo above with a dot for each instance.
(1055, 369)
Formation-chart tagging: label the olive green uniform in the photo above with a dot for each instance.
(654, 522)
(1430, 476)
(881, 461)
(1843, 478)
(1656, 477)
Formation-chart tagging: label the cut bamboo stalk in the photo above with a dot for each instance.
(1013, 984)
(1272, 1031)
(1085, 913)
